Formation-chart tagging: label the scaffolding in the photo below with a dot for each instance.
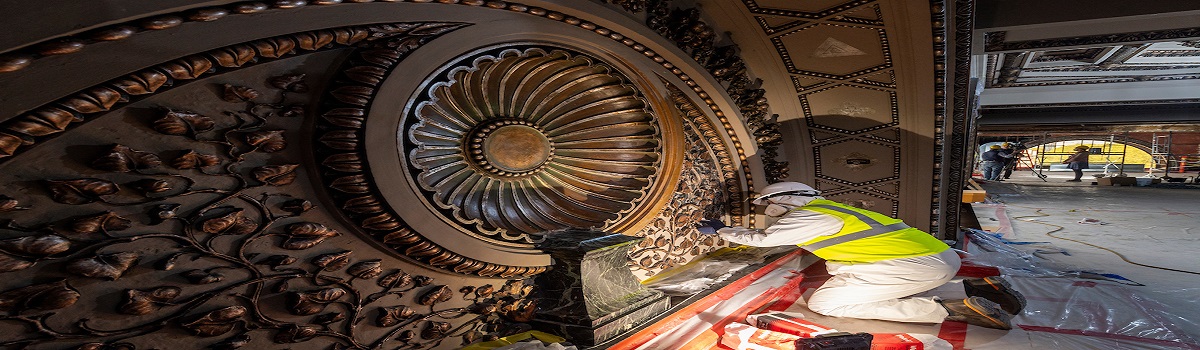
(1168, 160)
(1049, 154)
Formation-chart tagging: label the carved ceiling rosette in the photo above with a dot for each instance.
(533, 140)
(494, 147)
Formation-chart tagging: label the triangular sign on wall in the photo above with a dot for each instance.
(834, 48)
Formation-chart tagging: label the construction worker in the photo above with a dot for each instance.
(1010, 160)
(874, 260)
(993, 162)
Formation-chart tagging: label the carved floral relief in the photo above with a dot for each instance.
(194, 223)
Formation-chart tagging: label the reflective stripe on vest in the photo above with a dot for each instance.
(875, 230)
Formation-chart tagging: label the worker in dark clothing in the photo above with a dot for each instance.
(993, 163)
(1010, 159)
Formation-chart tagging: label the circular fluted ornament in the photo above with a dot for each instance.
(512, 142)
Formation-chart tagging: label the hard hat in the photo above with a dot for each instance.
(786, 188)
(1081, 147)
(994, 147)
(1006, 145)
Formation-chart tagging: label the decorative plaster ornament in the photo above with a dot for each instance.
(834, 48)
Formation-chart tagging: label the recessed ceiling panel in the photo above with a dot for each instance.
(793, 5)
(836, 50)
(850, 108)
(857, 161)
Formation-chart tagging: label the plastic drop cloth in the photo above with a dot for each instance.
(702, 273)
(1070, 308)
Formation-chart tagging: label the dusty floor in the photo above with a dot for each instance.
(1148, 235)
(1159, 227)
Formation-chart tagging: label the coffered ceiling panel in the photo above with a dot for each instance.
(793, 5)
(850, 108)
(834, 50)
(856, 161)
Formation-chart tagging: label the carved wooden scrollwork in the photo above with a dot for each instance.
(219, 278)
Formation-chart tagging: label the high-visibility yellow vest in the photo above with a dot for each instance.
(867, 236)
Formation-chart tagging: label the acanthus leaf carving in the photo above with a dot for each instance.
(182, 123)
(332, 261)
(393, 315)
(193, 160)
(45, 296)
(435, 329)
(36, 246)
(10, 263)
(290, 82)
(234, 93)
(269, 141)
(366, 269)
(232, 223)
(297, 206)
(435, 295)
(141, 302)
(313, 302)
(80, 191)
(8, 204)
(99, 223)
(293, 333)
(216, 322)
(123, 159)
(306, 235)
(276, 175)
(151, 186)
(104, 266)
(395, 279)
